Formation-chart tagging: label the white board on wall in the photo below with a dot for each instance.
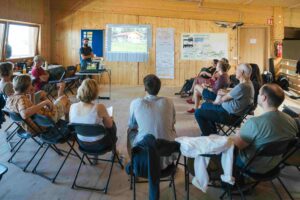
(165, 53)
(204, 46)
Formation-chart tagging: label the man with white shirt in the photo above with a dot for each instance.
(151, 115)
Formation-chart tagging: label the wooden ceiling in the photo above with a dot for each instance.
(281, 3)
(76, 4)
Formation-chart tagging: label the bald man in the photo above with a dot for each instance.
(231, 106)
(272, 125)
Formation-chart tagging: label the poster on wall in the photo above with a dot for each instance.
(204, 46)
(165, 53)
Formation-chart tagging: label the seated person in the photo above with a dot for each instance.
(256, 79)
(88, 112)
(6, 72)
(211, 93)
(20, 103)
(6, 86)
(231, 105)
(152, 115)
(205, 74)
(41, 76)
(272, 125)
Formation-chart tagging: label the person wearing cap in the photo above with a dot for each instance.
(86, 53)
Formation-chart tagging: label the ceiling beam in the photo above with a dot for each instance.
(201, 3)
(247, 2)
(294, 6)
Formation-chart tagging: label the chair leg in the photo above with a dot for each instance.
(12, 149)
(130, 180)
(174, 189)
(56, 150)
(10, 159)
(32, 158)
(74, 182)
(34, 169)
(134, 189)
(9, 127)
(12, 134)
(76, 153)
(61, 166)
(119, 161)
(241, 192)
(111, 167)
(284, 187)
(275, 189)
(185, 174)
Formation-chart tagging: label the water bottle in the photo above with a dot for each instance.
(24, 69)
(46, 65)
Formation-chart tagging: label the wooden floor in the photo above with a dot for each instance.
(17, 185)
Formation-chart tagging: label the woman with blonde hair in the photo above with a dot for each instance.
(88, 112)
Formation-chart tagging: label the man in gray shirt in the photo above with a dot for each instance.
(231, 106)
(272, 125)
(151, 115)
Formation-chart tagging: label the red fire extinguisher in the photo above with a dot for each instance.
(279, 49)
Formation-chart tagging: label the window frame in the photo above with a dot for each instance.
(5, 39)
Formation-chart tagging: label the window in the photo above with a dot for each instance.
(2, 29)
(22, 41)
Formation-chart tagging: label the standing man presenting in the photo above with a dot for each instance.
(86, 54)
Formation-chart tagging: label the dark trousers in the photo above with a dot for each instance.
(209, 114)
(107, 141)
(164, 147)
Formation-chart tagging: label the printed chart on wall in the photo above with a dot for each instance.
(204, 46)
(165, 53)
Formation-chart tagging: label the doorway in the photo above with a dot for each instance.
(253, 46)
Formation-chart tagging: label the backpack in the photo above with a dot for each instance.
(283, 82)
(187, 86)
(267, 77)
(2, 104)
(233, 81)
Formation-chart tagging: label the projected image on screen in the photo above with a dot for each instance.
(129, 39)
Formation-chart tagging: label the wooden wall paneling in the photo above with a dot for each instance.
(278, 27)
(291, 17)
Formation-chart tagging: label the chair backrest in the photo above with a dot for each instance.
(89, 130)
(71, 70)
(43, 121)
(16, 117)
(246, 112)
(271, 149)
(172, 146)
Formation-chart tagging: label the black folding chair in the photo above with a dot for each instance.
(9, 135)
(53, 135)
(228, 129)
(189, 169)
(293, 160)
(166, 175)
(92, 130)
(71, 80)
(56, 77)
(278, 148)
(3, 170)
(24, 136)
